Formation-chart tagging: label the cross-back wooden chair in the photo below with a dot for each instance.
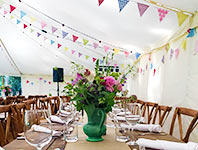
(1, 100)
(9, 100)
(162, 112)
(142, 104)
(148, 111)
(179, 111)
(55, 104)
(20, 99)
(65, 99)
(30, 104)
(6, 129)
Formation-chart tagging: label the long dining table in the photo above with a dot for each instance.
(109, 143)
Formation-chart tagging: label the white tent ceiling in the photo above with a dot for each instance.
(124, 29)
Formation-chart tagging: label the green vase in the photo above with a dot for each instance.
(95, 127)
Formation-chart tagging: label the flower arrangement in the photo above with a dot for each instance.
(99, 91)
(6, 89)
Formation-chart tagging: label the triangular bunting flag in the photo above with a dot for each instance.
(116, 51)
(122, 66)
(52, 42)
(32, 19)
(122, 4)
(64, 34)
(44, 38)
(22, 14)
(43, 24)
(184, 44)
(138, 70)
(126, 53)
(115, 65)
(181, 17)
(73, 51)
(154, 70)
(149, 57)
(142, 8)
(146, 66)
(79, 54)
(167, 47)
(100, 2)
(59, 45)
(162, 13)
(85, 42)
(151, 65)
(163, 59)
(95, 45)
(24, 26)
(11, 17)
(5, 12)
(101, 61)
(74, 38)
(12, 8)
(137, 55)
(31, 30)
(66, 48)
(38, 34)
(176, 53)
(191, 32)
(18, 21)
(86, 57)
(94, 59)
(106, 48)
(196, 47)
(171, 53)
(54, 29)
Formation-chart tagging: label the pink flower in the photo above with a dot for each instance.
(118, 85)
(10, 90)
(4, 90)
(109, 88)
(109, 81)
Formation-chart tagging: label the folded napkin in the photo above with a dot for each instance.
(42, 129)
(56, 119)
(119, 118)
(166, 145)
(144, 127)
(1, 148)
(123, 113)
(65, 112)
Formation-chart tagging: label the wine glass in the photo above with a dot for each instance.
(38, 131)
(132, 116)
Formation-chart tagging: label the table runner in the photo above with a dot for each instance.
(109, 142)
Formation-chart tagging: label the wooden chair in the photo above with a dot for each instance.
(6, 134)
(148, 109)
(1, 100)
(142, 104)
(65, 99)
(20, 99)
(9, 100)
(30, 104)
(163, 113)
(187, 112)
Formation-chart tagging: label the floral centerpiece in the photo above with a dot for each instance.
(6, 90)
(95, 96)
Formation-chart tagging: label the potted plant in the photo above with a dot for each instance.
(6, 90)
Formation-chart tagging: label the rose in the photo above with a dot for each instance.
(87, 72)
(4, 90)
(109, 83)
(10, 90)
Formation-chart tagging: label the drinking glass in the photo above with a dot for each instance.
(38, 131)
(132, 116)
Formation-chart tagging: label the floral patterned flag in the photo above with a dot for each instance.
(106, 48)
(59, 45)
(142, 8)
(122, 4)
(64, 34)
(162, 13)
(100, 2)
(54, 29)
(85, 42)
(74, 38)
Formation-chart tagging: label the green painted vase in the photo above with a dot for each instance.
(95, 127)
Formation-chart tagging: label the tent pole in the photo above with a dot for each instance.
(10, 57)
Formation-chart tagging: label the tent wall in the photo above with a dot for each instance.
(175, 82)
(39, 85)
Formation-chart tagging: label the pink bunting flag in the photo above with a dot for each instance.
(106, 48)
(126, 53)
(73, 51)
(100, 2)
(137, 70)
(79, 54)
(115, 65)
(196, 47)
(163, 59)
(95, 45)
(162, 13)
(54, 29)
(12, 8)
(141, 70)
(49, 82)
(27, 81)
(44, 38)
(176, 53)
(74, 38)
(94, 59)
(40, 78)
(142, 8)
(43, 24)
(150, 57)
(146, 66)
(59, 45)
(5, 12)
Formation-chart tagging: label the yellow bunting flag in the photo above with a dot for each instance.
(85, 41)
(116, 51)
(11, 17)
(167, 47)
(86, 57)
(181, 17)
(32, 19)
(122, 66)
(184, 44)
(66, 48)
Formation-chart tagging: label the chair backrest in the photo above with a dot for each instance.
(162, 112)
(55, 104)
(148, 109)
(142, 103)
(30, 104)
(5, 126)
(187, 112)
(10, 100)
(65, 98)
(20, 99)
(1, 100)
